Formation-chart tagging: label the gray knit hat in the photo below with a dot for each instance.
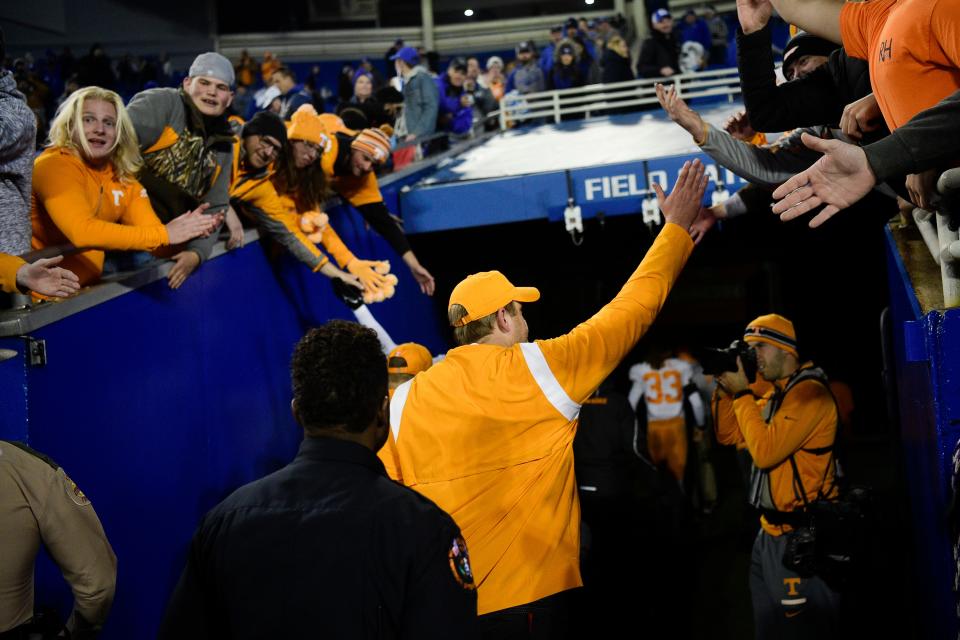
(212, 65)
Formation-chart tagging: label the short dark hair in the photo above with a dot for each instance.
(286, 71)
(339, 377)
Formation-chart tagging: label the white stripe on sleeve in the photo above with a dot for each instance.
(396, 407)
(548, 382)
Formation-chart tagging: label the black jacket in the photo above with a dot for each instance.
(658, 51)
(327, 547)
(817, 99)
(605, 450)
(616, 68)
(930, 139)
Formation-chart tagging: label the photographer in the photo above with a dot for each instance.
(790, 433)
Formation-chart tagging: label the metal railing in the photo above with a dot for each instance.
(942, 241)
(597, 98)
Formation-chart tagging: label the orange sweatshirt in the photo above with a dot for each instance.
(75, 203)
(807, 419)
(9, 265)
(487, 434)
(356, 191)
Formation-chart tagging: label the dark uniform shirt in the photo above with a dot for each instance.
(327, 547)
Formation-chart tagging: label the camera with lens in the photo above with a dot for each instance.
(717, 361)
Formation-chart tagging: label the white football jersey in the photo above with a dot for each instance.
(661, 389)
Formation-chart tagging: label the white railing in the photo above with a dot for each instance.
(942, 242)
(595, 98)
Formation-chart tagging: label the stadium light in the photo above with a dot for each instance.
(589, 1)
(469, 12)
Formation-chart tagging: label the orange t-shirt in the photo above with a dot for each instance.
(487, 434)
(75, 203)
(913, 48)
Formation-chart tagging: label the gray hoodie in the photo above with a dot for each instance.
(18, 139)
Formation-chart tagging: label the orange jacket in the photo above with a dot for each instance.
(806, 420)
(254, 194)
(487, 434)
(724, 419)
(75, 203)
(357, 191)
(9, 265)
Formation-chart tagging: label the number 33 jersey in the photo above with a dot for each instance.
(661, 389)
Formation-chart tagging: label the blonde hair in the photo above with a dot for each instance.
(615, 42)
(66, 131)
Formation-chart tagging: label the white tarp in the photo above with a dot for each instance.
(573, 145)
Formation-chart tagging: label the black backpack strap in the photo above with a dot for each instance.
(797, 482)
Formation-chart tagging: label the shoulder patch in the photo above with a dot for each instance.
(460, 563)
(73, 491)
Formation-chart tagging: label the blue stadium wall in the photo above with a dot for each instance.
(159, 403)
(926, 354)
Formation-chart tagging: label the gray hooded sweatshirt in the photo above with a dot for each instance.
(18, 139)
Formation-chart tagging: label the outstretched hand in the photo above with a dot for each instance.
(184, 263)
(704, 222)
(683, 204)
(192, 224)
(46, 278)
(838, 179)
(679, 112)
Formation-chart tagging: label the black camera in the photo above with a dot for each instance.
(717, 361)
(349, 294)
(800, 553)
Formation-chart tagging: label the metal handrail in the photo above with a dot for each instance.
(948, 185)
(515, 108)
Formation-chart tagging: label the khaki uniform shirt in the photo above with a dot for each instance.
(39, 503)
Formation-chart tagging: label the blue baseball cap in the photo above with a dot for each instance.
(408, 55)
(659, 15)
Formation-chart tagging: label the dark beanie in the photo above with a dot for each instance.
(806, 44)
(266, 123)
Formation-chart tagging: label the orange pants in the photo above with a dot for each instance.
(667, 442)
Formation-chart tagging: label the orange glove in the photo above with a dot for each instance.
(387, 292)
(378, 283)
(313, 224)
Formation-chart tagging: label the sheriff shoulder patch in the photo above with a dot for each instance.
(73, 491)
(460, 563)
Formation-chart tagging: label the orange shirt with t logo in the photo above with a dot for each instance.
(913, 48)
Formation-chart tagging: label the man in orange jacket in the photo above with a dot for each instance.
(349, 160)
(488, 432)
(789, 433)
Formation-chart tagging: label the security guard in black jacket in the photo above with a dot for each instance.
(328, 546)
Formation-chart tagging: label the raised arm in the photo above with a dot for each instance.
(819, 17)
(583, 358)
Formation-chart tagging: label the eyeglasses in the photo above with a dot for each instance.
(269, 144)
